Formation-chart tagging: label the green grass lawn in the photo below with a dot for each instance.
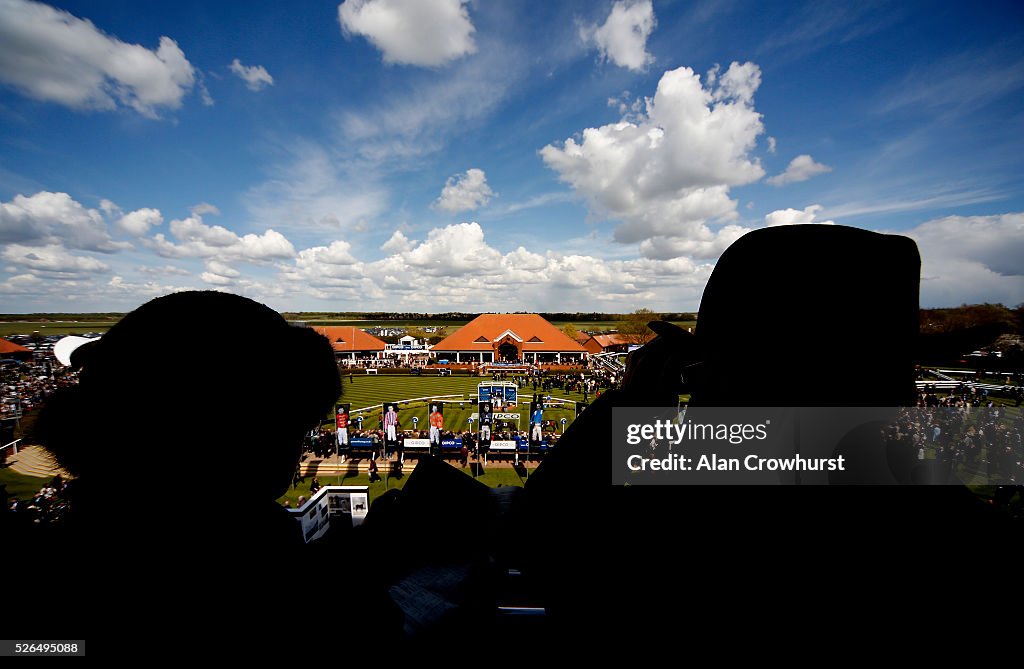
(19, 485)
(493, 477)
(54, 327)
(610, 325)
(367, 390)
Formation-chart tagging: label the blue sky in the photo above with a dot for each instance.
(435, 155)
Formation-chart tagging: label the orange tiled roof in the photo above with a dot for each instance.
(536, 333)
(599, 342)
(11, 347)
(346, 338)
(611, 340)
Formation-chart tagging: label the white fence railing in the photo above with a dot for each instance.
(13, 445)
(949, 385)
(609, 361)
(440, 398)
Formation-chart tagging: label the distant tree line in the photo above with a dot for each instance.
(570, 316)
(946, 335)
(43, 318)
(376, 316)
(995, 316)
(596, 317)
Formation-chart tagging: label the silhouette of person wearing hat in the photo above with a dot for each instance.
(221, 375)
(778, 327)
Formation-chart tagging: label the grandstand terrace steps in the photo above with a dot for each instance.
(317, 467)
(312, 466)
(35, 461)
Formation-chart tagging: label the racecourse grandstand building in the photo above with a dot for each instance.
(524, 338)
(607, 343)
(351, 343)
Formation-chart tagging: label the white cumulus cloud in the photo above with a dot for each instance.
(666, 174)
(971, 259)
(622, 38)
(427, 33)
(465, 192)
(47, 218)
(256, 77)
(336, 255)
(166, 270)
(397, 243)
(702, 242)
(800, 168)
(215, 279)
(51, 259)
(217, 267)
(50, 55)
(139, 222)
(134, 291)
(196, 239)
(204, 208)
(795, 216)
(456, 267)
(452, 250)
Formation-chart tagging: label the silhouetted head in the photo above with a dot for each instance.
(809, 315)
(189, 383)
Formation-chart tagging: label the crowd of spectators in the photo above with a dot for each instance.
(597, 381)
(390, 361)
(586, 381)
(26, 386)
(49, 505)
(539, 370)
(963, 430)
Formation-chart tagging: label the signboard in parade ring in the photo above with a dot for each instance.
(451, 444)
